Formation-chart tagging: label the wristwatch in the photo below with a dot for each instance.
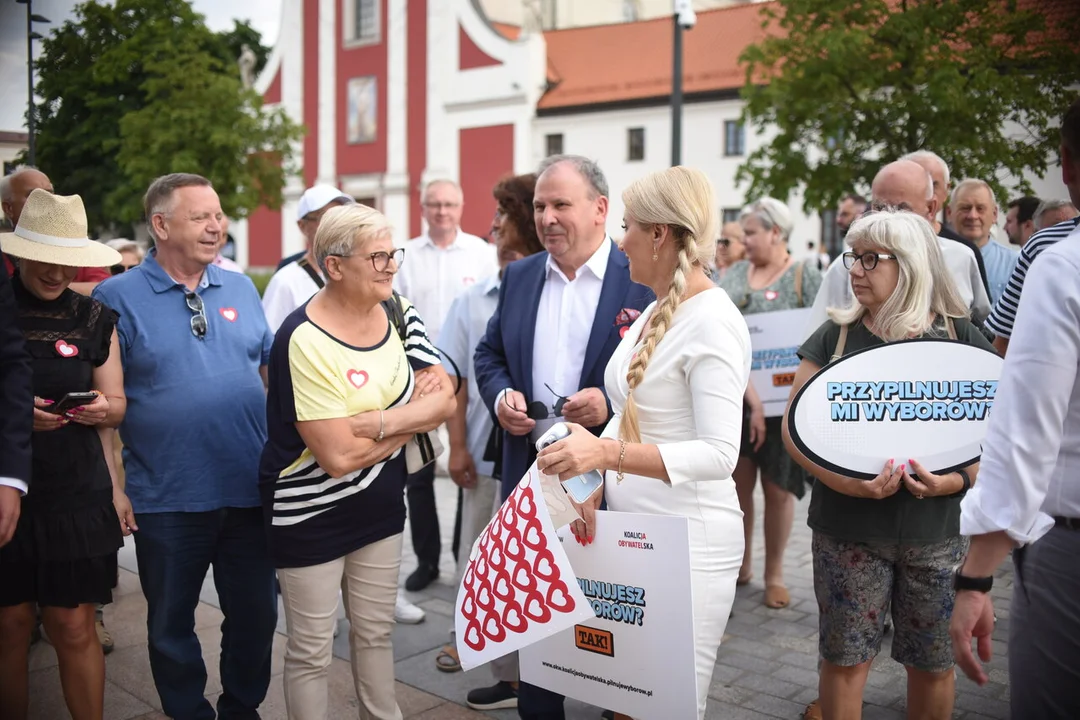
(978, 584)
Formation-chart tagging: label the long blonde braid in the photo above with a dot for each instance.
(629, 430)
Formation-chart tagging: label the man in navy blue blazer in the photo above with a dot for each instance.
(561, 314)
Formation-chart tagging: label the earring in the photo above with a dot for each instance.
(654, 251)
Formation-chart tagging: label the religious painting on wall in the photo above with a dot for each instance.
(362, 124)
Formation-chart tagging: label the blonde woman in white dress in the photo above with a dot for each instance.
(676, 384)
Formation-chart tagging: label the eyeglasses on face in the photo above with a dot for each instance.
(441, 206)
(121, 268)
(198, 319)
(869, 260)
(380, 260)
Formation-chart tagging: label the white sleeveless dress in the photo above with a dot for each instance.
(690, 405)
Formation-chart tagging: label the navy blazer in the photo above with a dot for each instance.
(16, 393)
(504, 358)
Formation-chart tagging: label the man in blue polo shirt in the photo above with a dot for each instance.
(194, 344)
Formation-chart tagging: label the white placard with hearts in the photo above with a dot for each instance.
(518, 588)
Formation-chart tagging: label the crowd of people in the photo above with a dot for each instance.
(283, 441)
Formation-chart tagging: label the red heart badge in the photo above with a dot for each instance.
(65, 350)
(229, 314)
(771, 294)
(358, 378)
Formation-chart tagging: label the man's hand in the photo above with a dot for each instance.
(462, 468)
(10, 507)
(587, 408)
(973, 617)
(512, 417)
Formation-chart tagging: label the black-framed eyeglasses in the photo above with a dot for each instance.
(537, 410)
(121, 268)
(869, 260)
(380, 260)
(198, 319)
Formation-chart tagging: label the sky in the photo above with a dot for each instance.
(264, 15)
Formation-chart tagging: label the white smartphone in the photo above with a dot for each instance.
(580, 487)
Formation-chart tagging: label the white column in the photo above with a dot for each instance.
(395, 184)
(327, 52)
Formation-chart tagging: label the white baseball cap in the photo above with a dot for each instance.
(317, 197)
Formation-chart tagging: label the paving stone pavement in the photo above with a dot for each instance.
(766, 667)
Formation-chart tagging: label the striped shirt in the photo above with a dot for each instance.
(1001, 318)
(314, 518)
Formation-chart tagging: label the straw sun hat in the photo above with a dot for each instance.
(52, 229)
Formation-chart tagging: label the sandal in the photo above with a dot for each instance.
(776, 597)
(744, 579)
(812, 711)
(447, 660)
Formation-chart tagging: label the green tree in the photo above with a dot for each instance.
(138, 89)
(848, 84)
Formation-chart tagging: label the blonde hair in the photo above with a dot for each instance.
(682, 199)
(924, 285)
(346, 227)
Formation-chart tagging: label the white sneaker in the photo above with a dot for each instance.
(406, 613)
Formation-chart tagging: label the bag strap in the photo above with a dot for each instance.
(312, 272)
(840, 343)
(950, 328)
(798, 282)
(396, 314)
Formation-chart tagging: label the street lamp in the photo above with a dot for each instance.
(685, 18)
(31, 36)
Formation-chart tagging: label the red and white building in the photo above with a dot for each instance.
(394, 95)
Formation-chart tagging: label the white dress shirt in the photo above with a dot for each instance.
(288, 289)
(14, 483)
(431, 276)
(1031, 453)
(959, 259)
(564, 321)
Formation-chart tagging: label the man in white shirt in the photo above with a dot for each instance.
(1027, 496)
(906, 185)
(439, 265)
(294, 284)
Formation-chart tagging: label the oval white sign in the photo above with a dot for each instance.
(924, 399)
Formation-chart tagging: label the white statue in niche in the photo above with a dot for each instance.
(247, 62)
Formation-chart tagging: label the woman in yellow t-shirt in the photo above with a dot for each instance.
(347, 391)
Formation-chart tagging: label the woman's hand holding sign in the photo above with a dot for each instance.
(575, 455)
(884, 485)
(923, 483)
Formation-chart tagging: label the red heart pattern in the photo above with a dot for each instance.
(229, 314)
(357, 378)
(526, 585)
(65, 350)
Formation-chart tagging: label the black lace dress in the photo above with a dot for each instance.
(63, 553)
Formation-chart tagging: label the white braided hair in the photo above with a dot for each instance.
(682, 199)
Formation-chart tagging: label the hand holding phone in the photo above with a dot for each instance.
(70, 401)
(581, 487)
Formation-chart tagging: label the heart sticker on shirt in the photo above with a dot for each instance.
(66, 350)
(771, 294)
(468, 281)
(229, 314)
(358, 378)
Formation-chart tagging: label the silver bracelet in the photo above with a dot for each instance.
(382, 427)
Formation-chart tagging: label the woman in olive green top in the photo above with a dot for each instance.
(894, 539)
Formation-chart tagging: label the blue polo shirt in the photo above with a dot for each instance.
(196, 409)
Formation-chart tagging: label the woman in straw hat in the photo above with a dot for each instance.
(63, 554)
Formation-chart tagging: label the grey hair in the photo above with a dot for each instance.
(158, 198)
(771, 213)
(972, 183)
(5, 182)
(344, 228)
(927, 155)
(1048, 206)
(924, 285)
(443, 181)
(588, 169)
(122, 245)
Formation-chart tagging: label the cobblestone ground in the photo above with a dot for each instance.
(766, 667)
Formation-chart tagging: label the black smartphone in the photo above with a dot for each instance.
(70, 401)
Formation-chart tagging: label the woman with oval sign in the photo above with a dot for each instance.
(894, 539)
(768, 280)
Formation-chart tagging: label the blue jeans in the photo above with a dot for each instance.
(174, 551)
